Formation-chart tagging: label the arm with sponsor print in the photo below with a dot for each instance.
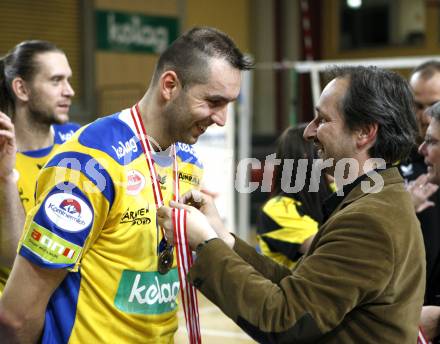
(52, 244)
(23, 303)
(11, 210)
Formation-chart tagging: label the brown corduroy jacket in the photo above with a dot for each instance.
(362, 280)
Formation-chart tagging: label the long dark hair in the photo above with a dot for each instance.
(292, 145)
(20, 62)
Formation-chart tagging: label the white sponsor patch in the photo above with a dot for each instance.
(68, 212)
(135, 182)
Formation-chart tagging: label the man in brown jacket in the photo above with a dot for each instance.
(363, 279)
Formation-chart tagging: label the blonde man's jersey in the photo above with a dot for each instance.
(28, 164)
(96, 216)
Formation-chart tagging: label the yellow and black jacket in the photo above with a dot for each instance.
(283, 228)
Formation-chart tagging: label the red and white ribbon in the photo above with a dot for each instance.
(421, 339)
(184, 262)
(184, 257)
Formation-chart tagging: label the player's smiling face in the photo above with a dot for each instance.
(202, 105)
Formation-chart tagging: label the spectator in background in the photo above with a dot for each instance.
(425, 85)
(35, 98)
(289, 220)
(430, 151)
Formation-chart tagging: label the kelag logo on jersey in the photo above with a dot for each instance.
(68, 212)
(124, 148)
(147, 292)
(65, 136)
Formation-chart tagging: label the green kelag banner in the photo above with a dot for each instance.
(128, 32)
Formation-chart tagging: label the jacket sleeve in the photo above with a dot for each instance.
(351, 264)
(266, 267)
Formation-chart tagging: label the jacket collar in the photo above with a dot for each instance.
(353, 191)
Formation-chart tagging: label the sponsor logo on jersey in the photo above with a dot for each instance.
(185, 148)
(67, 135)
(135, 182)
(124, 148)
(147, 292)
(161, 180)
(189, 178)
(137, 217)
(68, 212)
(49, 246)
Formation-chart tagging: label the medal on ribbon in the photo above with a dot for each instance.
(164, 249)
(165, 257)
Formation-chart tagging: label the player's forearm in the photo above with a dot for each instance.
(19, 331)
(12, 219)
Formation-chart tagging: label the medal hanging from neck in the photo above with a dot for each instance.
(164, 249)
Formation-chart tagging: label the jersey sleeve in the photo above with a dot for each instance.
(74, 194)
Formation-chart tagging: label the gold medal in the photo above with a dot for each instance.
(165, 260)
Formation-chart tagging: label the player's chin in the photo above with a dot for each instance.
(190, 140)
(193, 137)
(61, 117)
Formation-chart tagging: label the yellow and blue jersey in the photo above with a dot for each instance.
(96, 216)
(28, 164)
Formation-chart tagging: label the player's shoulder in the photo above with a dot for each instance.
(186, 153)
(114, 136)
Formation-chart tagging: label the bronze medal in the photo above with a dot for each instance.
(165, 260)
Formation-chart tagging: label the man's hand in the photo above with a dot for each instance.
(8, 148)
(205, 204)
(420, 191)
(198, 228)
(430, 321)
